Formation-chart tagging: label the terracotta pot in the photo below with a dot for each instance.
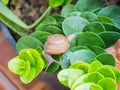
(51, 80)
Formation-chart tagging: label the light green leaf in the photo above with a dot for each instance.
(106, 59)
(5, 1)
(30, 76)
(89, 86)
(80, 65)
(95, 27)
(88, 5)
(55, 3)
(94, 66)
(16, 65)
(27, 42)
(91, 37)
(73, 24)
(83, 55)
(107, 84)
(109, 37)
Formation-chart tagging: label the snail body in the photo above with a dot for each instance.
(56, 44)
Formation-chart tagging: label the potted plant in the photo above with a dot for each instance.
(74, 45)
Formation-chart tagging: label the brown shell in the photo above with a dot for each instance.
(56, 44)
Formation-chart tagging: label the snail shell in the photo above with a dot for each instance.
(56, 44)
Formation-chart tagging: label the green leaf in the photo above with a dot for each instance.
(26, 71)
(109, 37)
(66, 9)
(39, 62)
(25, 55)
(94, 66)
(16, 65)
(112, 12)
(73, 13)
(51, 28)
(106, 59)
(90, 16)
(80, 65)
(30, 77)
(27, 42)
(41, 35)
(92, 38)
(64, 74)
(66, 2)
(47, 20)
(5, 1)
(111, 27)
(106, 72)
(89, 86)
(55, 3)
(72, 77)
(93, 77)
(98, 50)
(106, 19)
(88, 5)
(95, 27)
(73, 24)
(65, 63)
(75, 48)
(116, 72)
(107, 84)
(79, 81)
(83, 55)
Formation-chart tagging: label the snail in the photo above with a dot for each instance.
(56, 44)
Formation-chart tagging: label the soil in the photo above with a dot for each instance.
(30, 10)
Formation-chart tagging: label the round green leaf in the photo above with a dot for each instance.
(107, 84)
(106, 19)
(92, 38)
(90, 16)
(41, 35)
(16, 65)
(73, 24)
(73, 77)
(113, 12)
(75, 48)
(106, 72)
(64, 74)
(98, 50)
(39, 62)
(106, 59)
(116, 72)
(80, 65)
(88, 5)
(66, 9)
(55, 3)
(83, 55)
(96, 27)
(93, 77)
(88, 86)
(94, 66)
(109, 37)
(111, 27)
(79, 81)
(30, 76)
(24, 55)
(5, 1)
(27, 42)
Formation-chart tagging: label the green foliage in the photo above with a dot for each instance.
(86, 65)
(28, 65)
(98, 76)
(5, 1)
